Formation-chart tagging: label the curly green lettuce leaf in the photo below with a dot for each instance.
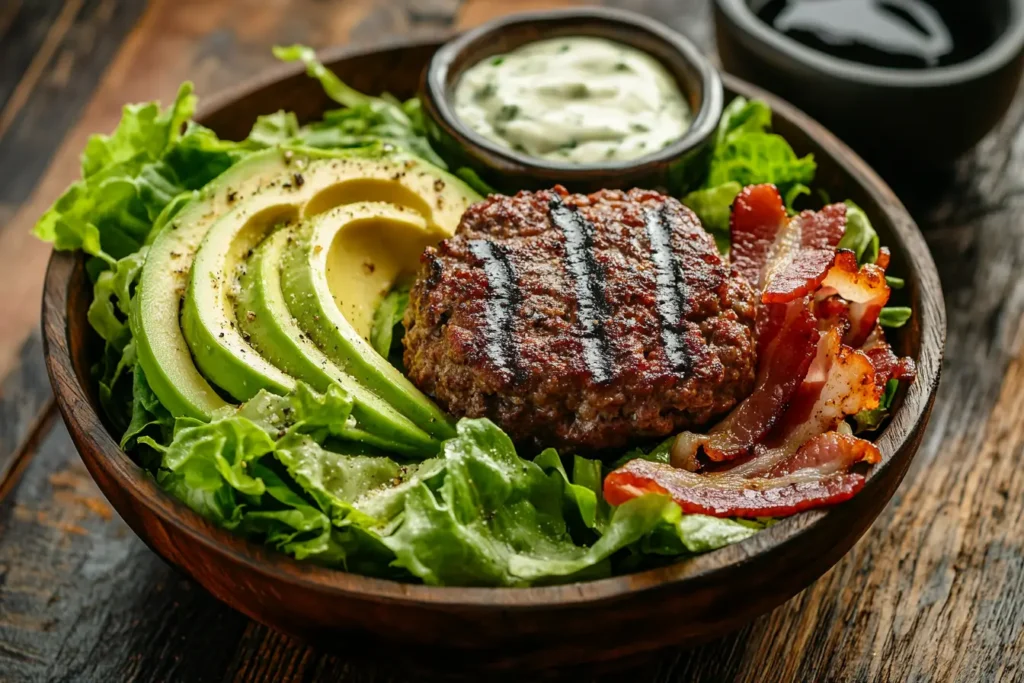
(579, 500)
(477, 515)
(130, 176)
(742, 116)
(108, 315)
(303, 410)
(295, 528)
(269, 456)
(755, 158)
(894, 316)
(149, 418)
(713, 207)
(279, 128)
(692, 534)
(793, 194)
(112, 294)
(497, 519)
(332, 85)
(365, 119)
(113, 375)
(661, 453)
(860, 236)
(332, 479)
(208, 466)
(387, 330)
(746, 152)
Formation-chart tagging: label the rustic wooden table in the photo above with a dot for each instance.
(934, 591)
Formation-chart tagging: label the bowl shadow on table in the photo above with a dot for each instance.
(717, 659)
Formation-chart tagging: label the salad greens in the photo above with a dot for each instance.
(387, 332)
(293, 471)
(745, 152)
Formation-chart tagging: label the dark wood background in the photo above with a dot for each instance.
(934, 591)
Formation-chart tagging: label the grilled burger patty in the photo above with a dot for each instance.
(583, 322)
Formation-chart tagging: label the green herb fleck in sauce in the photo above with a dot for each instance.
(578, 100)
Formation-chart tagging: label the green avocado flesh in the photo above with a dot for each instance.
(210, 312)
(162, 349)
(263, 315)
(316, 259)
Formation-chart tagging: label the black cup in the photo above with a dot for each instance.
(896, 117)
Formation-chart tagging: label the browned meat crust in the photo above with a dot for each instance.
(581, 322)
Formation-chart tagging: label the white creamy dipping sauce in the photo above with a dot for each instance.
(577, 100)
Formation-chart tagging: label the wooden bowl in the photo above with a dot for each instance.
(511, 171)
(477, 629)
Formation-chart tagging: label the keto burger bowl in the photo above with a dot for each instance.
(325, 297)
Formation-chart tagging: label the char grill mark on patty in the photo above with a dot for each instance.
(587, 276)
(538, 383)
(501, 306)
(671, 294)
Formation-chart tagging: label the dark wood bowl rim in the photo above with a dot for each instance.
(997, 55)
(72, 398)
(705, 120)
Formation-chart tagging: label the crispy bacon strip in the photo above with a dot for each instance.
(801, 275)
(884, 256)
(822, 229)
(780, 450)
(863, 288)
(802, 463)
(785, 258)
(816, 476)
(790, 258)
(791, 345)
(758, 215)
(886, 363)
(839, 382)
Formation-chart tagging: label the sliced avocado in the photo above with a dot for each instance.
(263, 315)
(162, 349)
(318, 280)
(218, 347)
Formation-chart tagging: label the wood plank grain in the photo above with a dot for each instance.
(23, 397)
(45, 99)
(691, 18)
(24, 29)
(82, 599)
(475, 12)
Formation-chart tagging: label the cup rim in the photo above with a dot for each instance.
(1001, 52)
(703, 125)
